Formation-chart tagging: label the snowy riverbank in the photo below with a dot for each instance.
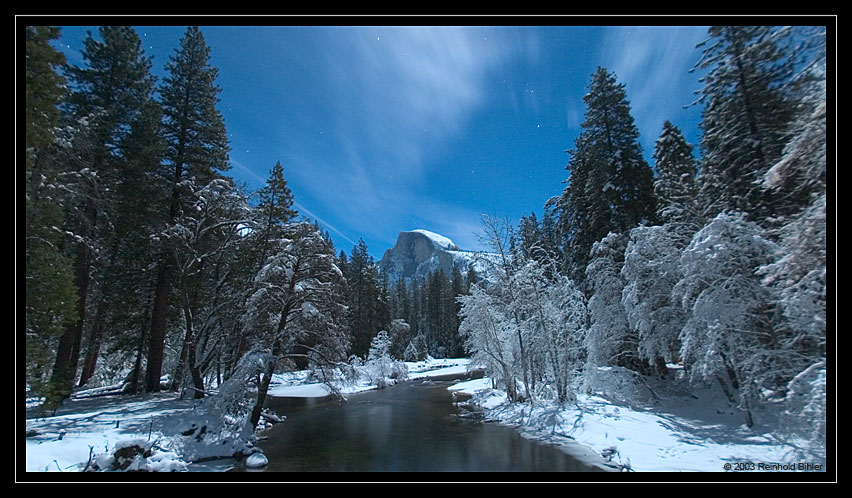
(599, 432)
(94, 427)
(642, 440)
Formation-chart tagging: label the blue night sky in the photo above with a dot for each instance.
(384, 129)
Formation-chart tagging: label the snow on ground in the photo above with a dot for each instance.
(295, 385)
(98, 425)
(592, 429)
(636, 439)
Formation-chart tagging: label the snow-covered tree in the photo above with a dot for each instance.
(674, 185)
(806, 409)
(382, 368)
(489, 335)
(417, 349)
(527, 324)
(196, 148)
(112, 93)
(203, 242)
(796, 185)
(651, 269)
(552, 316)
(800, 175)
(610, 340)
(298, 300)
(50, 295)
(799, 277)
(729, 336)
(746, 117)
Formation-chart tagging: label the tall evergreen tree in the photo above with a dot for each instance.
(746, 115)
(122, 290)
(437, 329)
(196, 149)
(50, 300)
(674, 185)
(275, 202)
(455, 345)
(368, 314)
(44, 88)
(111, 91)
(610, 187)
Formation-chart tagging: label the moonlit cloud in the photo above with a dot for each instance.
(394, 96)
(653, 63)
(383, 129)
(299, 207)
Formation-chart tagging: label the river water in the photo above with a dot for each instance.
(410, 427)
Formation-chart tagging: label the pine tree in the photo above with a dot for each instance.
(196, 150)
(44, 88)
(111, 91)
(674, 185)
(610, 187)
(799, 177)
(275, 203)
(746, 115)
(798, 276)
(123, 286)
(50, 300)
(368, 310)
(455, 346)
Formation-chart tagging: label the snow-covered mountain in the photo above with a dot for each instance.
(419, 252)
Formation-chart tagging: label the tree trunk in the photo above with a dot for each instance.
(156, 347)
(184, 350)
(94, 348)
(133, 378)
(277, 349)
(68, 350)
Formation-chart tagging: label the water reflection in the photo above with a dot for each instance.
(411, 427)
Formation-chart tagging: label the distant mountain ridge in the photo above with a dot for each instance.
(420, 252)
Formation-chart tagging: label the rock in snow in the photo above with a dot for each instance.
(256, 460)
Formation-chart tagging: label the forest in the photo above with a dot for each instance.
(147, 265)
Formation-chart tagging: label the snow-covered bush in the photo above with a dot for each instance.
(227, 413)
(417, 349)
(381, 368)
(136, 455)
(805, 408)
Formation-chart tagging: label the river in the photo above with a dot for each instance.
(410, 427)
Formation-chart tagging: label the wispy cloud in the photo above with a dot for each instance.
(302, 209)
(392, 98)
(653, 63)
